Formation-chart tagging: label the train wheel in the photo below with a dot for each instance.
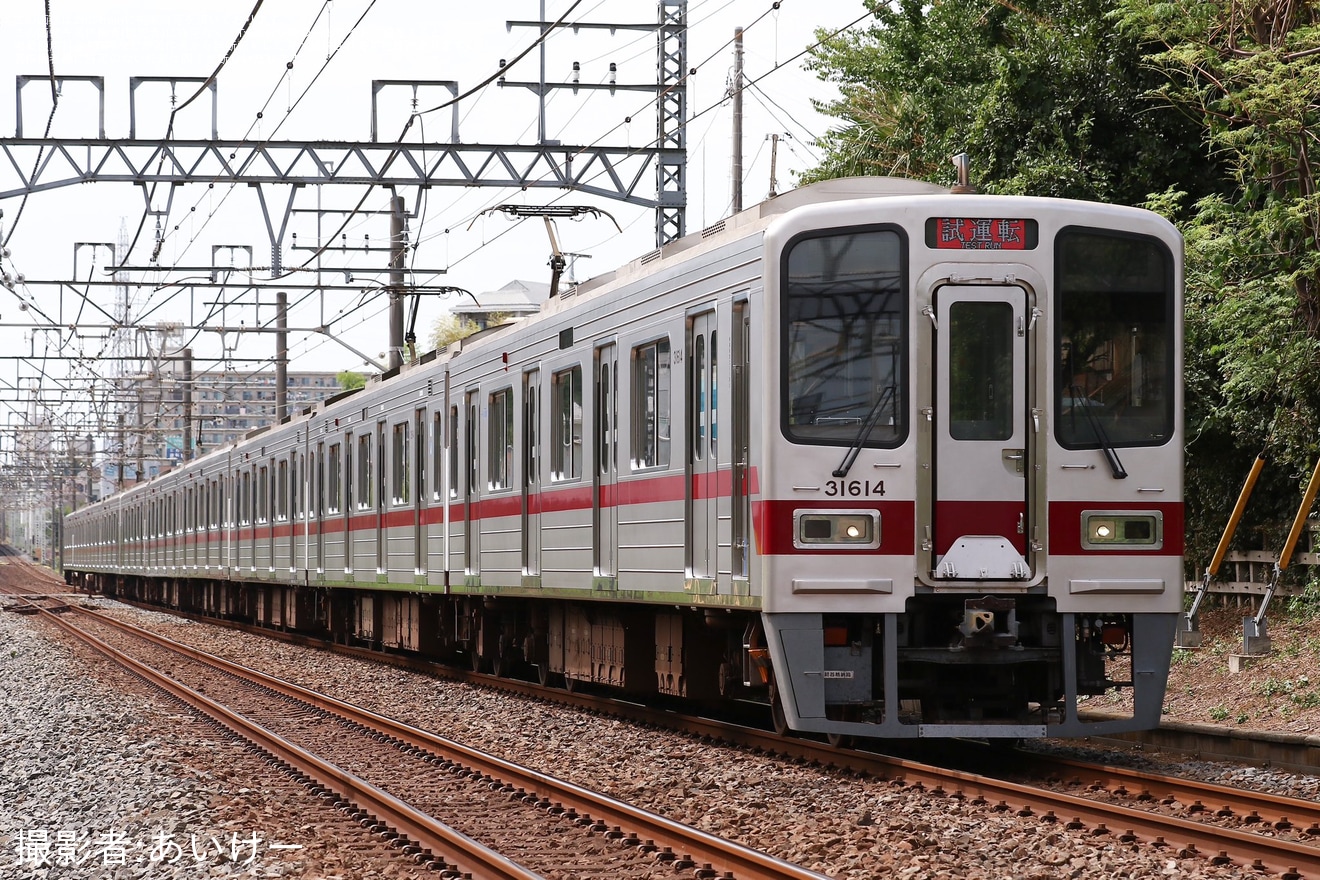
(777, 717)
(841, 740)
(477, 662)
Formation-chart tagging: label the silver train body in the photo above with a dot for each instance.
(892, 461)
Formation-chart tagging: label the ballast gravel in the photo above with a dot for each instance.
(99, 780)
(826, 820)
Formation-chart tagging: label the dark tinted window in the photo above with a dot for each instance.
(845, 339)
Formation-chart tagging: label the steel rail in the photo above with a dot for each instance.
(722, 855)
(1287, 858)
(1189, 792)
(427, 832)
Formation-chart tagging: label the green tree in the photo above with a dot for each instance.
(1049, 97)
(450, 328)
(350, 381)
(1250, 74)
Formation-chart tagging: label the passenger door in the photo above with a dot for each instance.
(604, 497)
(531, 457)
(703, 464)
(981, 433)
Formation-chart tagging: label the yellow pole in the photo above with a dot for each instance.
(1236, 517)
(1300, 521)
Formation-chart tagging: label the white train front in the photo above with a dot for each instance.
(895, 462)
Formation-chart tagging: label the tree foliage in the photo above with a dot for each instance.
(450, 328)
(349, 380)
(1250, 72)
(1049, 97)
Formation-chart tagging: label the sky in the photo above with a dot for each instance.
(302, 72)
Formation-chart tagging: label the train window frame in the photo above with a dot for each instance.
(263, 493)
(349, 480)
(896, 289)
(566, 422)
(296, 474)
(282, 490)
(438, 453)
(1101, 419)
(332, 500)
(418, 450)
(500, 439)
(652, 404)
(364, 495)
(455, 483)
(400, 465)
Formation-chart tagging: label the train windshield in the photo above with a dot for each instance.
(1115, 340)
(845, 339)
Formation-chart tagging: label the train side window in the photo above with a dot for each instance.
(364, 472)
(566, 425)
(651, 405)
(438, 455)
(419, 453)
(453, 452)
(282, 491)
(500, 438)
(472, 449)
(607, 419)
(263, 494)
(245, 499)
(295, 486)
(1114, 339)
(399, 470)
(349, 479)
(698, 398)
(714, 396)
(332, 465)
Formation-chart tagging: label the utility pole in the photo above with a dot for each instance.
(736, 89)
(188, 404)
(398, 252)
(141, 432)
(774, 159)
(281, 356)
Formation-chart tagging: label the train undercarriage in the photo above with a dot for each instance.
(950, 666)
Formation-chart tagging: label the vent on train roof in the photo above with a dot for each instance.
(651, 257)
(713, 230)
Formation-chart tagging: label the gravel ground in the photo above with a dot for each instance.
(101, 781)
(826, 820)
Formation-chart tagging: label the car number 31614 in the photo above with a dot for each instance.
(854, 488)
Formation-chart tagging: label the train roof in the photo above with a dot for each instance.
(759, 216)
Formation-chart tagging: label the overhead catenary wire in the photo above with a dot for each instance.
(360, 313)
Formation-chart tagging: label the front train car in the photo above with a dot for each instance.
(970, 509)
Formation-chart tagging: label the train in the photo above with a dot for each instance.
(876, 457)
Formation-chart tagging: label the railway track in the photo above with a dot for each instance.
(1263, 834)
(396, 777)
(1270, 835)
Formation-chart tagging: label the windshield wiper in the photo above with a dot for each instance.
(1111, 456)
(871, 418)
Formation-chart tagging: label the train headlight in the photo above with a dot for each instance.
(836, 528)
(1118, 529)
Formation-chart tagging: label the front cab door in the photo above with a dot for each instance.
(981, 433)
